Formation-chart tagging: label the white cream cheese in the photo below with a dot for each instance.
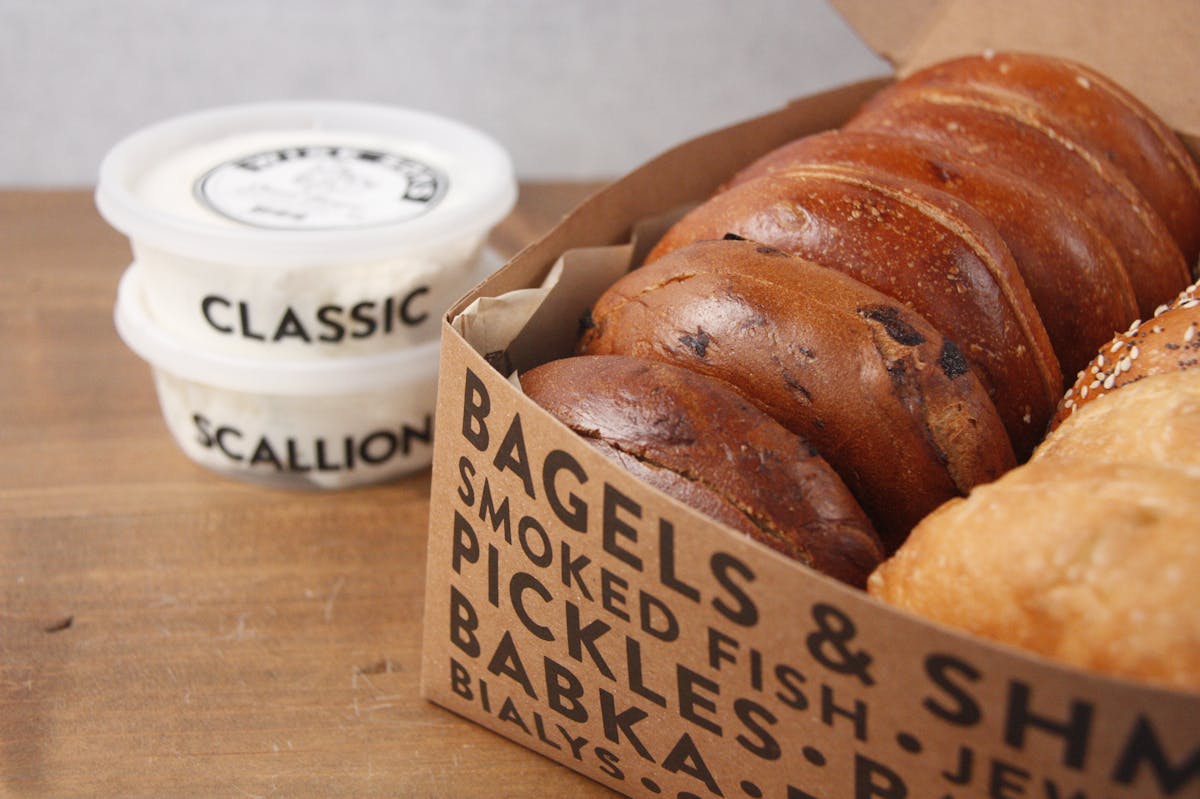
(298, 424)
(300, 442)
(306, 230)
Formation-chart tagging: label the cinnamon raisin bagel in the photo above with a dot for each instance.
(919, 246)
(698, 441)
(886, 399)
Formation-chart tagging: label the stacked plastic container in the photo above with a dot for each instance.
(292, 262)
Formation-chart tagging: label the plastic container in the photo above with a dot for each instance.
(334, 423)
(307, 230)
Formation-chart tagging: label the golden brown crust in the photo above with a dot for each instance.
(1094, 566)
(1105, 117)
(917, 245)
(879, 392)
(1155, 420)
(698, 441)
(1089, 553)
(1018, 135)
(1169, 341)
(1072, 271)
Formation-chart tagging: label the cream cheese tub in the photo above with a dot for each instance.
(305, 230)
(334, 423)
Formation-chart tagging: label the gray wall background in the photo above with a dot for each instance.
(573, 88)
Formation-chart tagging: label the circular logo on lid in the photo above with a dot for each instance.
(321, 188)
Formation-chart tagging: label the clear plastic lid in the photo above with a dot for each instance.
(392, 370)
(310, 182)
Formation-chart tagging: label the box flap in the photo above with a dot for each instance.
(1149, 48)
(892, 29)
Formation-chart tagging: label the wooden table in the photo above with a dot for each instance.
(165, 632)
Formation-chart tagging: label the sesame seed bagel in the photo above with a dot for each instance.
(886, 399)
(917, 245)
(673, 428)
(1169, 341)
(1074, 274)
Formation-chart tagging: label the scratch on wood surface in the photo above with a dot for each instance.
(365, 678)
(333, 595)
(379, 706)
(381, 666)
(359, 710)
(239, 632)
(60, 625)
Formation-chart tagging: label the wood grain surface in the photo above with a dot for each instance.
(166, 632)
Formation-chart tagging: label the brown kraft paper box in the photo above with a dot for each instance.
(588, 617)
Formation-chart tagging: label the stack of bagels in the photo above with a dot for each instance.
(866, 324)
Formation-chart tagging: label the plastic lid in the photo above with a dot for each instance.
(333, 377)
(414, 181)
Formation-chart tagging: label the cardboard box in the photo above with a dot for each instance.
(601, 623)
